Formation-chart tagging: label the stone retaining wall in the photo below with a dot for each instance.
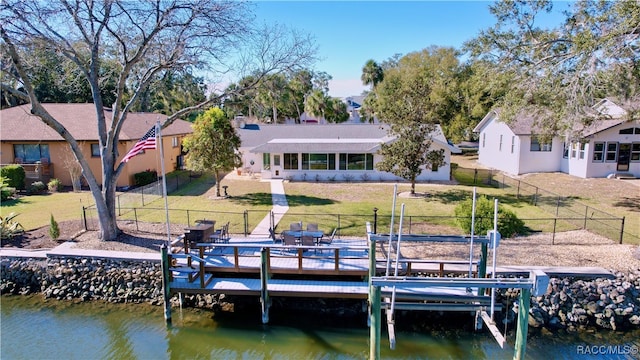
(568, 304)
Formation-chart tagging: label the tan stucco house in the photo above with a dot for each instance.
(25, 139)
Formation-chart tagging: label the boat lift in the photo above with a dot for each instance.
(446, 293)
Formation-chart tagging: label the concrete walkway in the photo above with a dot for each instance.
(280, 207)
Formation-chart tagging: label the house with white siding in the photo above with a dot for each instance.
(326, 152)
(609, 147)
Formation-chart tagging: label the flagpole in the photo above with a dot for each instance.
(164, 183)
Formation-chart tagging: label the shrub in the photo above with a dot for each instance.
(54, 185)
(37, 187)
(365, 177)
(6, 192)
(15, 176)
(54, 230)
(508, 223)
(10, 228)
(145, 177)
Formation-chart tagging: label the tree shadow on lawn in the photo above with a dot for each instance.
(632, 204)
(458, 196)
(265, 199)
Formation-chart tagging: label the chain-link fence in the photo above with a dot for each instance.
(564, 209)
(141, 196)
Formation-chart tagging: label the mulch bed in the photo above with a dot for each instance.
(39, 238)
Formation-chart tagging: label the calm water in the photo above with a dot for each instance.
(33, 329)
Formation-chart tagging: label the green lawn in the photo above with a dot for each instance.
(35, 210)
(347, 206)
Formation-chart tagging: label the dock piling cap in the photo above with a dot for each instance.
(540, 282)
(494, 237)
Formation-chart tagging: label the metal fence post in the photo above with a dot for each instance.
(84, 217)
(135, 216)
(586, 212)
(375, 220)
(246, 222)
(142, 195)
(622, 230)
(188, 220)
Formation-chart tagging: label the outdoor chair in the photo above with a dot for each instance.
(312, 227)
(289, 240)
(221, 235)
(273, 236)
(307, 240)
(329, 239)
(296, 226)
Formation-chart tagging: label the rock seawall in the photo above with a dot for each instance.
(88, 279)
(575, 304)
(570, 304)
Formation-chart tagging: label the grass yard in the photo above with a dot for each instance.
(347, 206)
(35, 210)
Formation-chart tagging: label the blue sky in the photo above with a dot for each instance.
(350, 33)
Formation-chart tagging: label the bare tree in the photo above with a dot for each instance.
(145, 38)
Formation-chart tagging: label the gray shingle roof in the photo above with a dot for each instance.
(18, 124)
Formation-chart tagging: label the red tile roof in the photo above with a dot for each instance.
(18, 124)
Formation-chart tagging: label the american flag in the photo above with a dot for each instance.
(148, 141)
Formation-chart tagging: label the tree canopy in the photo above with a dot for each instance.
(144, 41)
(559, 73)
(213, 145)
(413, 97)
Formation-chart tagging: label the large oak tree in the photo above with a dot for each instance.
(413, 97)
(145, 39)
(559, 73)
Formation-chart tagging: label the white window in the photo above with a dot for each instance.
(612, 151)
(537, 146)
(513, 143)
(635, 152)
(565, 150)
(574, 150)
(598, 152)
(174, 141)
(484, 138)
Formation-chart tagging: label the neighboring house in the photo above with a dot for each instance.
(325, 152)
(27, 140)
(608, 147)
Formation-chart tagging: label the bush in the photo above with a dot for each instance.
(14, 175)
(54, 185)
(54, 230)
(37, 187)
(6, 192)
(508, 223)
(145, 177)
(10, 228)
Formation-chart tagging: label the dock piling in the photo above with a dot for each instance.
(164, 266)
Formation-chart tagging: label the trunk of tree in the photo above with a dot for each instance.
(217, 176)
(413, 186)
(106, 201)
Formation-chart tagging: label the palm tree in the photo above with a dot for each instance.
(316, 104)
(372, 73)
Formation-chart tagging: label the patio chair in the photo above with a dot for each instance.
(307, 240)
(328, 240)
(296, 226)
(273, 236)
(221, 235)
(312, 227)
(289, 239)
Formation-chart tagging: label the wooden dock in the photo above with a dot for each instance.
(350, 270)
